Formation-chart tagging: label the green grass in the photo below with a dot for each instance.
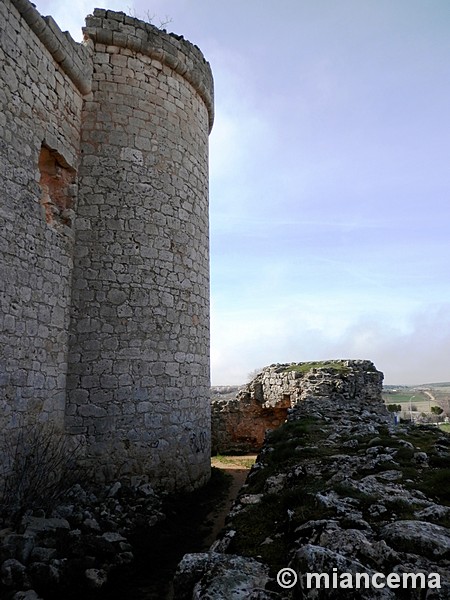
(289, 444)
(305, 367)
(291, 430)
(255, 525)
(432, 480)
(445, 427)
(244, 462)
(270, 519)
(402, 397)
(278, 515)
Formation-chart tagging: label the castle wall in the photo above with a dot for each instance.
(239, 424)
(40, 116)
(104, 273)
(139, 355)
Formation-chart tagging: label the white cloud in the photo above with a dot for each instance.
(413, 351)
(329, 183)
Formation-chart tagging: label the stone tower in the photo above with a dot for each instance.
(138, 383)
(104, 294)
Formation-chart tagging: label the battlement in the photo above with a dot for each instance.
(117, 29)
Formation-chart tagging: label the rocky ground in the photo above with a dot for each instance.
(77, 546)
(337, 489)
(117, 542)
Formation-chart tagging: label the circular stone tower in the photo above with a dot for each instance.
(138, 381)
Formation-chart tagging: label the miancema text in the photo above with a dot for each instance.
(376, 580)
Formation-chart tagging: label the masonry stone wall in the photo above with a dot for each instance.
(339, 488)
(139, 356)
(239, 423)
(40, 109)
(105, 286)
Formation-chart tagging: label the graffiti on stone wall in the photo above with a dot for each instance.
(198, 442)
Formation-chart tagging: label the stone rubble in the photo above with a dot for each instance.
(83, 541)
(338, 486)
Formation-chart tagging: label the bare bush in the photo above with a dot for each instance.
(149, 17)
(39, 465)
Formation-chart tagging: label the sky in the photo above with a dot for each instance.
(329, 178)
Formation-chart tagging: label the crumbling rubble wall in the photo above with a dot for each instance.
(338, 490)
(239, 423)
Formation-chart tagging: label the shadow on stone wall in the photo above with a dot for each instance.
(241, 416)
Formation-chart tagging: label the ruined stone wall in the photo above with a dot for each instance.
(239, 423)
(40, 117)
(338, 490)
(104, 240)
(139, 357)
(352, 380)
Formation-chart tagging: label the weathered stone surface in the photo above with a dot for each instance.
(53, 552)
(19, 546)
(14, 574)
(212, 576)
(104, 274)
(318, 559)
(239, 421)
(339, 489)
(96, 578)
(428, 539)
(28, 595)
(40, 526)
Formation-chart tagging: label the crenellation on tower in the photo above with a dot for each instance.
(117, 30)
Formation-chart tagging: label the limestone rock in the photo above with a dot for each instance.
(14, 574)
(421, 537)
(213, 576)
(17, 545)
(339, 486)
(316, 559)
(239, 423)
(40, 526)
(28, 595)
(96, 578)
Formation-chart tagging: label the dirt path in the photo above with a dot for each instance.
(238, 467)
(430, 396)
(189, 527)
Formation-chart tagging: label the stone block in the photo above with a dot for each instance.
(119, 286)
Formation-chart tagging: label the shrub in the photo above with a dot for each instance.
(394, 407)
(40, 464)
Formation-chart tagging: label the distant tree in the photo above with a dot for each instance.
(394, 408)
(253, 374)
(437, 410)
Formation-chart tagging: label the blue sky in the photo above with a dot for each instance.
(329, 178)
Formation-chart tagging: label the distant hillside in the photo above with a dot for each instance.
(443, 384)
